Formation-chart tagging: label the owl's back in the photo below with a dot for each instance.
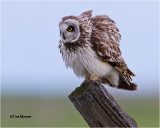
(105, 42)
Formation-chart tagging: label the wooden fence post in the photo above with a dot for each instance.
(98, 107)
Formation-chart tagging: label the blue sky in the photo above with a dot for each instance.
(32, 64)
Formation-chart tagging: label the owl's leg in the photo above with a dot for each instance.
(87, 78)
(94, 78)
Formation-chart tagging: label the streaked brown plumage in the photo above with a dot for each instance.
(99, 39)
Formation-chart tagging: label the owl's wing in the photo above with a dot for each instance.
(105, 42)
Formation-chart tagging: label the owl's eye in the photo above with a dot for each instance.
(70, 29)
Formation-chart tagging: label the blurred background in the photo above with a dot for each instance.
(35, 81)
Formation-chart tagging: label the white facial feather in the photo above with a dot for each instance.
(67, 36)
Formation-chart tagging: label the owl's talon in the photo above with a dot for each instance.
(94, 78)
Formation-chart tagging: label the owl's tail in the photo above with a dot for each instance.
(122, 85)
(126, 86)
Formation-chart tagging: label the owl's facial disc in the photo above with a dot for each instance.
(69, 31)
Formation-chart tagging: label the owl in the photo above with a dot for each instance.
(90, 46)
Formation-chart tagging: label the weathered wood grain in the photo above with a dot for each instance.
(98, 107)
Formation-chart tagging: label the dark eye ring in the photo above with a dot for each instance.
(70, 29)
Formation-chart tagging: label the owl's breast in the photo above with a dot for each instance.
(73, 60)
(93, 64)
(84, 61)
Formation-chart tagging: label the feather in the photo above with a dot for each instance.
(96, 51)
(105, 42)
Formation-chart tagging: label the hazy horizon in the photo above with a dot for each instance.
(32, 64)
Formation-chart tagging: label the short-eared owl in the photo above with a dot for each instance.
(90, 46)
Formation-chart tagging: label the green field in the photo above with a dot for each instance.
(59, 112)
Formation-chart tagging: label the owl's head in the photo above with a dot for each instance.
(69, 30)
(73, 28)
